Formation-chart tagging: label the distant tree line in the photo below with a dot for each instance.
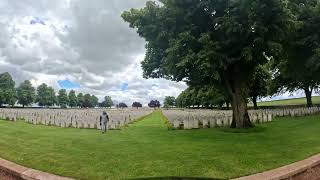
(45, 96)
(217, 96)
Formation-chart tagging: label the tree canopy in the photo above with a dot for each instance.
(80, 98)
(107, 102)
(154, 104)
(258, 86)
(211, 42)
(299, 68)
(62, 98)
(206, 96)
(73, 100)
(169, 101)
(46, 95)
(122, 105)
(94, 101)
(7, 89)
(90, 101)
(136, 105)
(26, 94)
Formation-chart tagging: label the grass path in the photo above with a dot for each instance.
(148, 149)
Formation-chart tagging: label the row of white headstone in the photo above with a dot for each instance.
(75, 118)
(194, 119)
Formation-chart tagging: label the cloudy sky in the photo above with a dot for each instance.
(82, 45)
(78, 44)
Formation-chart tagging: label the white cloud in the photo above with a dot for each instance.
(83, 41)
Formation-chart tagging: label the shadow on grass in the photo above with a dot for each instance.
(256, 129)
(174, 178)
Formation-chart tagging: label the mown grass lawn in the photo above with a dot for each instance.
(286, 102)
(148, 149)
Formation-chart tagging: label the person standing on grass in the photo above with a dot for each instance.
(104, 121)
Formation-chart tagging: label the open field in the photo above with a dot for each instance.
(286, 102)
(148, 149)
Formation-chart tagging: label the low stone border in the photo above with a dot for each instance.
(306, 169)
(14, 171)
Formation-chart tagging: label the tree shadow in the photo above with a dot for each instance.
(256, 129)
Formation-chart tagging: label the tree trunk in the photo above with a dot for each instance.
(228, 105)
(308, 93)
(238, 94)
(254, 100)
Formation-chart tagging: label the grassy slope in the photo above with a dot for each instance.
(285, 102)
(148, 149)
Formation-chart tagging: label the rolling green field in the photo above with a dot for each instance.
(147, 149)
(286, 102)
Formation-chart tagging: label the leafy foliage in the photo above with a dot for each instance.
(7, 89)
(94, 101)
(107, 102)
(26, 94)
(136, 105)
(63, 99)
(154, 104)
(73, 100)
(206, 96)
(122, 105)
(169, 101)
(299, 68)
(258, 86)
(211, 42)
(80, 98)
(90, 101)
(46, 95)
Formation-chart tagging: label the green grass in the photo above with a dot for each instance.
(286, 102)
(148, 149)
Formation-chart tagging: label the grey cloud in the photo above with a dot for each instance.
(17, 74)
(84, 41)
(102, 38)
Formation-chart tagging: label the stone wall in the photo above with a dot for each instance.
(308, 169)
(12, 171)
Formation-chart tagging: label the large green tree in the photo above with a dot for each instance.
(46, 95)
(73, 100)
(299, 68)
(41, 94)
(8, 93)
(62, 98)
(204, 96)
(87, 103)
(258, 86)
(211, 42)
(26, 94)
(107, 102)
(90, 101)
(52, 98)
(122, 105)
(169, 101)
(80, 98)
(94, 101)
(136, 105)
